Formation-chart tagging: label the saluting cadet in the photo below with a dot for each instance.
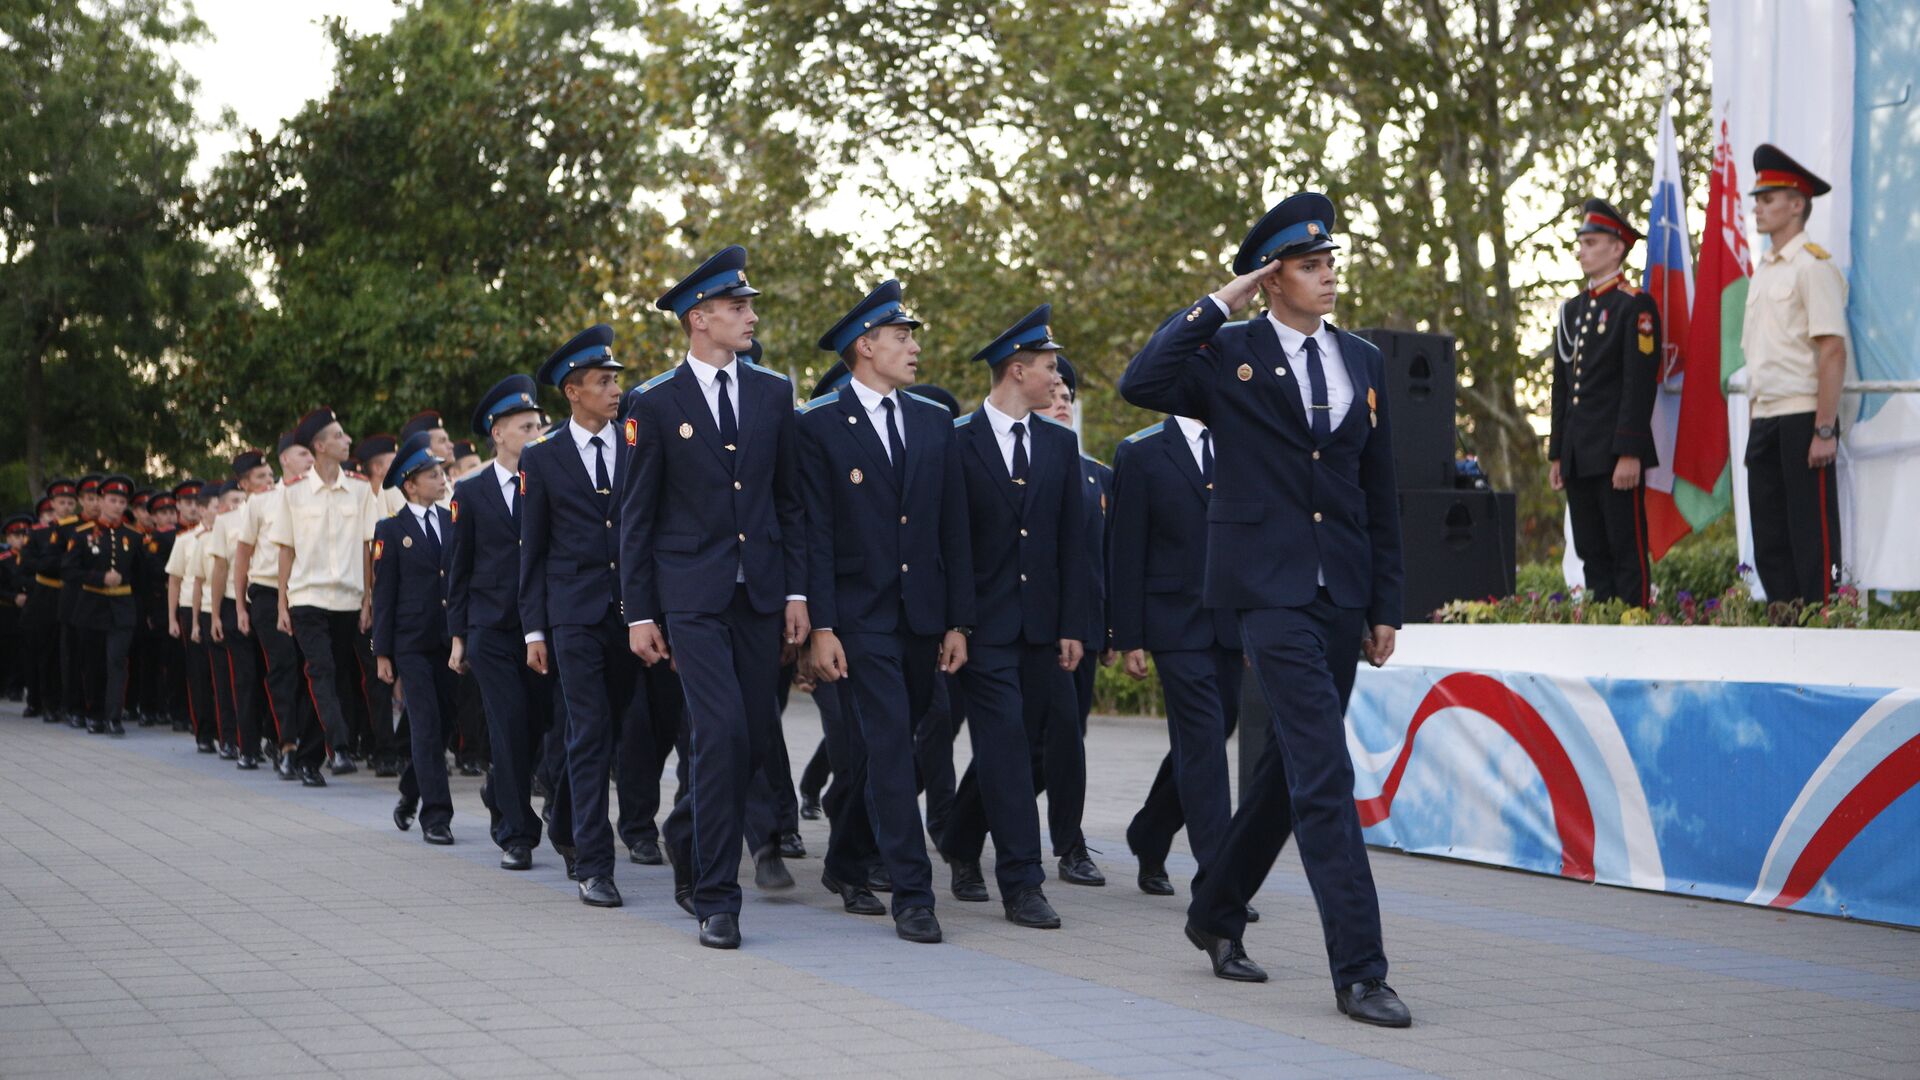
(890, 576)
(410, 627)
(712, 547)
(323, 527)
(256, 581)
(161, 677)
(252, 479)
(183, 590)
(1163, 483)
(1070, 787)
(570, 588)
(1303, 542)
(483, 615)
(1026, 520)
(40, 620)
(75, 700)
(1795, 340)
(1606, 373)
(104, 563)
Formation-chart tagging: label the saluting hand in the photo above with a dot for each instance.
(1070, 653)
(1245, 287)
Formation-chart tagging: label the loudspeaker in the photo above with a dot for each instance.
(1421, 382)
(1456, 545)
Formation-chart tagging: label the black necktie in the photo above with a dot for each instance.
(1322, 417)
(1019, 453)
(895, 448)
(1206, 456)
(511, 492)
(602, 483)
(433, 535)
(729, 426)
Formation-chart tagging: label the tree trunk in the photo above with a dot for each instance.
(36, 394)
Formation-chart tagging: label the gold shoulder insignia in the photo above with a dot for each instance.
(1817, 251)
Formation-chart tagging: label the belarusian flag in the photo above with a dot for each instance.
(1702, 477)
(1669, 281)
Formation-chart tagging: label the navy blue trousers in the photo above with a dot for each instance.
(851, 849)
(596, 672)
(1305, 658)
(429, 686)
(518, 704)
(890, 685)
(1191, 791)
(1002, 682)
(729, 665)
(648, 729)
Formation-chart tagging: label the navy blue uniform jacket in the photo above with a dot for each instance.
(874, 550)
(1284, 505)
(483, 559)
(693, 521)
(568, 536)
(1159, 548)
(409, 594)
(1096, 490)
(1030, 579)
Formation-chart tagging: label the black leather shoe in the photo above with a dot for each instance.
(205, 747)
(917, 924)
(646, 853)
(878, 879)
(599, 892)
(969, 883)
(468, 768)
(312, 778)
(1153, 879)
(228, 753)
(855, 898)
(810, 807)
(1229, 959)
(1372, 1001)
(76, 720)
(567, 856)
(385, 767)
(403, 812)
(720, 931)
(96, 727)
(769, 872)
(1076, 868)
(437, 834)
(247, 762)
(1252, 914)
(286, 769)
(540, 789)
(683, 887)
(343, 766)
(1029, 908)
(791, 846)
(115, 727)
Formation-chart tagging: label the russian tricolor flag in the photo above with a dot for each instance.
(1669, 280)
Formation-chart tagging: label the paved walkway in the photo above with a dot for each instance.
(162, 914)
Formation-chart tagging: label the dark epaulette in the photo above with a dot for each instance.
(1144, 432)
(823, 399)
(917, 397)
(748, 363)
(656, 380)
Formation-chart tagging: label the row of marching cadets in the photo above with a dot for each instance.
(649, 574)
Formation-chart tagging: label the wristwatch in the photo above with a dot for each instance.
(1827, 431)
(963, 631)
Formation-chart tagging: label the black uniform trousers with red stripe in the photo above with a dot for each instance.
(1610, 536)
(1795, 511)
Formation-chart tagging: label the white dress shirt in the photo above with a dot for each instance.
(1293, 345)
(873, 401)
(510, 483)
(706, 375)
(1192, 430)
(583, 441)
(1002, 426)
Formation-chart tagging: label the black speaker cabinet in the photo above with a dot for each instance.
(1456, 545)
(1421, 382)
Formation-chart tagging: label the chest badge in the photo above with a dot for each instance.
(1245, 372)
(857, 476)
(632, 431)
(686, 430)
(1373, 408)
(1646, 333)
(1602, 328)
(406, 541)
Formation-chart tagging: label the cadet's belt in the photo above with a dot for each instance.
(109, 590)
(49, 582)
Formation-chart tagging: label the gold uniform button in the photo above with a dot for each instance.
(1316, 516)
(903, 519)
(1576, 399)
(736, 485)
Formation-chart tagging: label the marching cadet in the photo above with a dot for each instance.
(219, 501)
(323, 527)
(466, 458)
(74, 690)
(376, 731)
(1606, 373)
(483, 615)
(570, 589)
(410, 627)
(374, 455)
(881, 472)
(40, 619)
(13, 600)
(252, 479)
(1303, 542)
(712, 558)
(104, 563)
(1163, 482)
(1795, 340)
(161, 675)
(934, 730)
(183, 589)
(1026, 518)
(1062, 775)
(256, 571)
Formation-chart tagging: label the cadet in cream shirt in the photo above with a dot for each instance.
(328, 527)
